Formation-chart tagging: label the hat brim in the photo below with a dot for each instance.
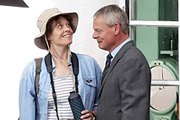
(40, 39)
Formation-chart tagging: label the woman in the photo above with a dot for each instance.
(56, 31)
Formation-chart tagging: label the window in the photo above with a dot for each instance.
(155, 27)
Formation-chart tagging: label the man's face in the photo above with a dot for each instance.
(103, 34)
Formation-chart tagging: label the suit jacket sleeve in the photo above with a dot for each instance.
(135, 87)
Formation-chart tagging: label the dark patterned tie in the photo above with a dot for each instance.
(108, 62)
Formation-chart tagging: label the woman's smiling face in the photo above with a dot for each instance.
(62, 32)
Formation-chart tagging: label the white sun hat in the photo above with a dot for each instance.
(43, 20)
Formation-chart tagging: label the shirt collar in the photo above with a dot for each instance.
(115, 51)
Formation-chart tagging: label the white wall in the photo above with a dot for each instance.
(18, 30)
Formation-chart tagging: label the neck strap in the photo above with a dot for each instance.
(49, 69)
(75, 66)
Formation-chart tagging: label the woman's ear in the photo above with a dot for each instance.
(117, 28)
(49, 38)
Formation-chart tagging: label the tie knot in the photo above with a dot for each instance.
(108, 61)
(109, 56)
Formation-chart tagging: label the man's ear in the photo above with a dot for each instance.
(117, 28)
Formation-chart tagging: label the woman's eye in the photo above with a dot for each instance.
(59, 26)
(68, 25)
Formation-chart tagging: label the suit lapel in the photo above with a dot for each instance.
(118, 56)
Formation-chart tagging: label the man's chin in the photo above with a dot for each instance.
(101, 47)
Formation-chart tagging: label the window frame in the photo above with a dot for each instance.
(134, 23)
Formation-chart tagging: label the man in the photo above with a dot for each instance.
(125, 86)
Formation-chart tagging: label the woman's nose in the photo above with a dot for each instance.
(67, 28)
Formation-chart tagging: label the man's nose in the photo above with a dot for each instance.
(94, 35)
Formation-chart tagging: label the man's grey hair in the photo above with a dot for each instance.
(113, 14)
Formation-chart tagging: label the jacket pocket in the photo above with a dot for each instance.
(90, 82)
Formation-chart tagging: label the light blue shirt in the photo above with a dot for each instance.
(116, 50)
(88, 78)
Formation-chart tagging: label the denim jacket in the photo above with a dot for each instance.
(88, 78)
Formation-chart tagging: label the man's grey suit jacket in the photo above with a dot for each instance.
(125, 88)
